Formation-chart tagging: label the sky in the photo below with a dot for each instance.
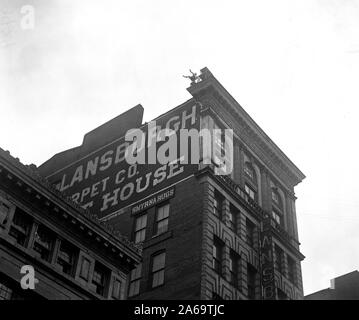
(292, 65)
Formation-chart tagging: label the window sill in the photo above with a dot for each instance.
(157, 239)
(150, 288)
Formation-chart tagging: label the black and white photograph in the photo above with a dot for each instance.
(183, 151)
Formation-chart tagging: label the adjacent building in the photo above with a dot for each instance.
(345, 287)
(204, 235)
(72, 254)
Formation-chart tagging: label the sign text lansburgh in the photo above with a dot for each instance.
(104, 182)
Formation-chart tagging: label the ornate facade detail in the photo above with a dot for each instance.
(33, 173)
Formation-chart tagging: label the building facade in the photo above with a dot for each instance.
(345, 287)
(73, 255)
(204, 235)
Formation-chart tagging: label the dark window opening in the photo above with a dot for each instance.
(158, 269)
(234, 268)
(292, 272)
(21, 227)
(99, 278)
(135, 280)
(251, 281)
(66, 258)
(4, 213)
(44, 242)
(217, 255)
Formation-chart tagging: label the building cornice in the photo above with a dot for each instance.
(252, 133)
(254, 158)
(33, 183)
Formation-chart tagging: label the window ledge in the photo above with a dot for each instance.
(158, 238)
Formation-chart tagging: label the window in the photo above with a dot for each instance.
(5, 292)
(85, 268)
(116, 289)
(276, 198)
(250, 232)
(277, 217)
(217, 253)
(250, 186)
(217, 205)
(4, 212)
(158, 269)
(135, 280)
(249, 171)
(234, 265)
(99, 278)
(251, 281)
(20, 228)
(250, 192)
(44, 242)
(292, 270)
(140, 228)
(162, 219)
(66, 258)
(232, 218)
(278, 258)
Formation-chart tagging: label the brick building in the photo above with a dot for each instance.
(74, 256)
(204, 236)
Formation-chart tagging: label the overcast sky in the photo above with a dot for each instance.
(293, 66)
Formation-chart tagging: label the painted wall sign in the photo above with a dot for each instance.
(267, 262)
(153, 200)
(104, 182)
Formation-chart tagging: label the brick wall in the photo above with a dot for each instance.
(182, 243)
